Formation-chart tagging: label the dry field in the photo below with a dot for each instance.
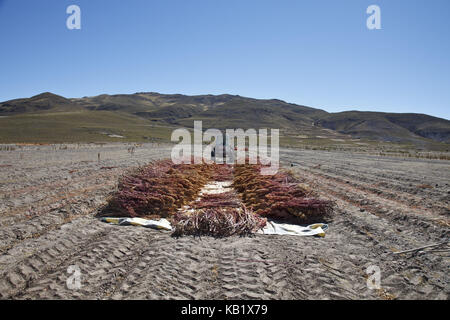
(49, 196)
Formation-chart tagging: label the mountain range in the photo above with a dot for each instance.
(136, 116)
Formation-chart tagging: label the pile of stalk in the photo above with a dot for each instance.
(162, 188)
(218, 215)
(278, 196)
(158, 189)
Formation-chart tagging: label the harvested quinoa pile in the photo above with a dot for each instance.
(213, 199)
(159, 188)
(278, 196)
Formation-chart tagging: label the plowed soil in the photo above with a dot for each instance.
(49, 197)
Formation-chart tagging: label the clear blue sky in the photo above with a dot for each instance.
(316, 53)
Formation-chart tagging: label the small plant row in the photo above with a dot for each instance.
(278, 196)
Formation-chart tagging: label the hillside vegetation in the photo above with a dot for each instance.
(152, 116)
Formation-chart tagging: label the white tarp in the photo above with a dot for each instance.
(161, 224)
(317, 229)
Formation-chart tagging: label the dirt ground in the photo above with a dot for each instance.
(50, 194)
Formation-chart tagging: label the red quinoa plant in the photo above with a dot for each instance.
(278, 196)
